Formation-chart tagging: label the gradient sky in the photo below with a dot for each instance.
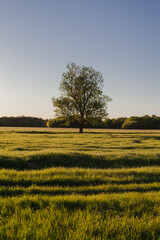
(121, 39)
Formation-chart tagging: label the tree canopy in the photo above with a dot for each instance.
(81, 95)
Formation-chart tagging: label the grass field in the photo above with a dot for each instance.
(58, 184)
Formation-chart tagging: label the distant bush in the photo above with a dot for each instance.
(22, 122)
(145, 122)
(115, 123)
(61, 122)
(96, 122)
(132, 123)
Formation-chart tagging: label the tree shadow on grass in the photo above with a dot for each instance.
(46, 132)
(41, 161)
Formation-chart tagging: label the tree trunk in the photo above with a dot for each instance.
(81, 129)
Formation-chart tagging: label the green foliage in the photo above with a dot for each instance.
(82, 95)
(71, 122)
(145, 122)
(62, 122)
(115, 123)
(58, 122)
(22, 122)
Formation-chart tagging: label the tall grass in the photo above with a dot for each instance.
(57, 184)
(119, 216)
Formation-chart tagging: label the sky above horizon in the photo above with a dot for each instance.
(121, 39)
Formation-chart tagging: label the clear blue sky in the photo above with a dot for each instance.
(121, 39)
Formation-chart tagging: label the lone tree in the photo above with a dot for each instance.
(81, 95)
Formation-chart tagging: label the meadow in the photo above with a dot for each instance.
(58, 184)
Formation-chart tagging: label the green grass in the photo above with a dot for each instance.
(106, 216)
(58, 184)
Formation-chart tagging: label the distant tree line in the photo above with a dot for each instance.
(22, 122)
(145, 122)
(98, 122)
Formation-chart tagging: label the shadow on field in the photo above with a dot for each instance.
(6, 192)
(114, 205)
(45, 132)
(91, 185)
(76, 160)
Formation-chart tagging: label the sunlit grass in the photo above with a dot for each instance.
(58, 184)
(20, 142)
(105, 216)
